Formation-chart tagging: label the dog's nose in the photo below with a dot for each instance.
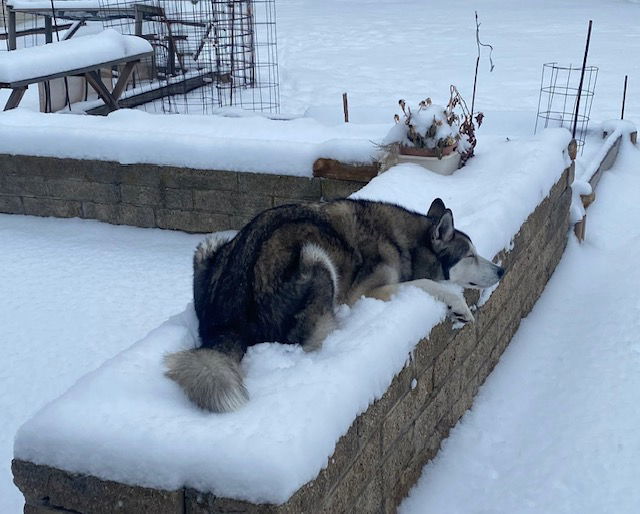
(500, 272)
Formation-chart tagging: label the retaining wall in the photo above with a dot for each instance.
(147, 195)
(381, 456)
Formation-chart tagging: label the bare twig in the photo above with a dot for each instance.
(475, 77)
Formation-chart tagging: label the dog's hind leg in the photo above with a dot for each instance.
(455, 301)
(317, 287)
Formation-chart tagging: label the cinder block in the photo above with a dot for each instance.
(82, 190)
(192, 221)
(139, 174)
(343, 497)
(284, 186)
(430, 347)
(370, 423)
(53, 488)
(230, 202)
(52, 207)
(334, 189)
(177, 198)
(120, 214)
(23, 185)
(140, 195)
(396, 459)
(345, 453)
(11, 205)
(186, 178)
(371, 500)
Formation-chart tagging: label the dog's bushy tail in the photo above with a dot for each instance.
(210, 378)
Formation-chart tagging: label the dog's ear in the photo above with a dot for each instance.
(437, 209)
(444, 229)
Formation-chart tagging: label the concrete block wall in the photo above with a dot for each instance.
(146, 195)
(382, 454)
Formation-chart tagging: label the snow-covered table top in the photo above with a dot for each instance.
(65, 4)
(65, 56)
(127, 422)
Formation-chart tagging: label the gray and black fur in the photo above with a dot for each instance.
(282, 276)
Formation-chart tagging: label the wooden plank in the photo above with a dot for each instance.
(95, 81)
(15, 97)
(75, 71)
(35, 30)
(149, 96)
(122, 80)
(331, 168)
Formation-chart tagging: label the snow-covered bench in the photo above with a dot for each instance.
(83, 56)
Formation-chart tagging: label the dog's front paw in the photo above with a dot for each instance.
(459, 310)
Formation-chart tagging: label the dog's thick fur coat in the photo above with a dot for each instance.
(282, 276)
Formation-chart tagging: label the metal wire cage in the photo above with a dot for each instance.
(559, 93)
(208, 54)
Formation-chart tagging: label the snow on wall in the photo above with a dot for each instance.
(247, 143)
(127, 422)
(38, 61)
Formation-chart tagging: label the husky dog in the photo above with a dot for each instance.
(282, 276)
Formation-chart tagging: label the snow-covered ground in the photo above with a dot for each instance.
(72, 294)
(108, 286)
(555, 427)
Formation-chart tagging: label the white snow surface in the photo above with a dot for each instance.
(239, 143)
(555, 426)
(72, 294)
(75, 53)
(129, 423)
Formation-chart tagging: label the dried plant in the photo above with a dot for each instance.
(437, 128)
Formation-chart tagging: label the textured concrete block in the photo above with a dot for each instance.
(199, 503)
(280, 185)
(84, 191)
(429, 348)
(186, 178)
(23, 185)
(399, 419)
(192, 221)
(370, 423)
(120, 214)
(346, 451)
(396, 460)
(445, 362)
(140, 195)
(333, 189)
(52, 488)
(230, 202)
(139, 174)
(343, 497)
(51, 207)
(371, 500)
(11, 205)
(177, 198)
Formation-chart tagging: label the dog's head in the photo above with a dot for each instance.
(456, 254)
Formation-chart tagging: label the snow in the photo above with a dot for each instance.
(248, 143)
(60, 324)
(555, 426)
(129, 423)
(492, 195)
(63, 4)
(73, 294)
(73, 54)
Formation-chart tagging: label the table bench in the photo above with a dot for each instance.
(82, 56)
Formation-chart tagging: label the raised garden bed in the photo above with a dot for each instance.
(88, 452)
